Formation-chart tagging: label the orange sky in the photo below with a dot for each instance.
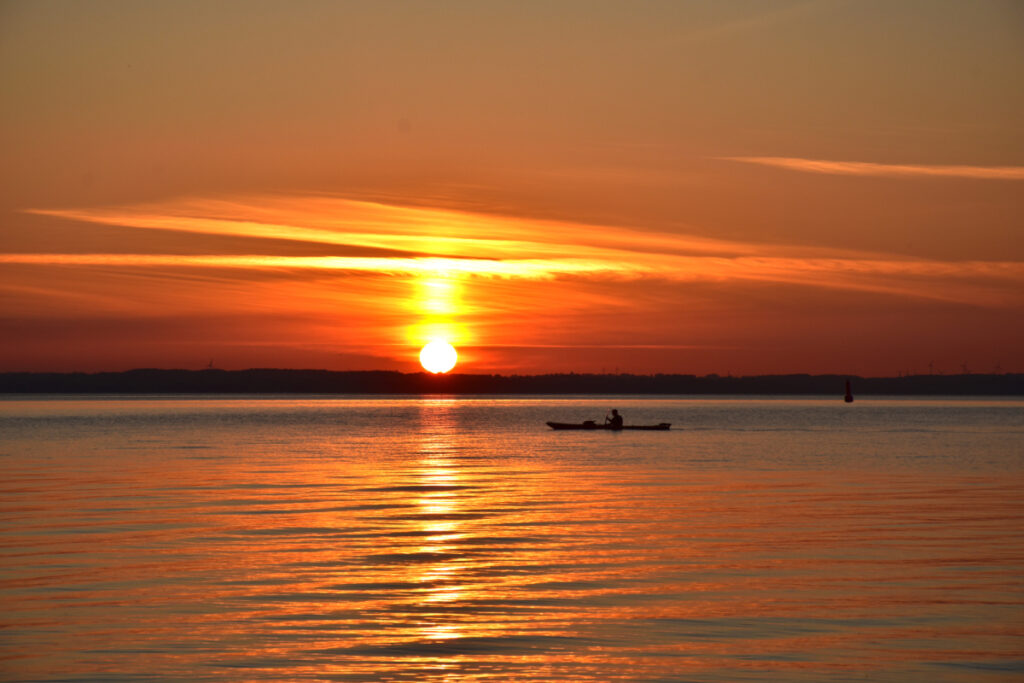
(690, 187)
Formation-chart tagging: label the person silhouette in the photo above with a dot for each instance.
(614, 421)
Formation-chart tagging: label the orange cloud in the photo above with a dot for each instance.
(428, 242)
(863, 168)
(418, 266)
(411, 230)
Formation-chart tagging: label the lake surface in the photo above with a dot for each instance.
(460, 539)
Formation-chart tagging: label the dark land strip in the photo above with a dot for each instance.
(282, 381)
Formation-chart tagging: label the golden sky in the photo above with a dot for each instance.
(697, 187)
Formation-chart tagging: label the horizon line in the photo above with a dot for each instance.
(713, 375)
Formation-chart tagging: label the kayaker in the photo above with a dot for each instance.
(615, 420)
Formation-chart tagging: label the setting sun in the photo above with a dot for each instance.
(438, 356)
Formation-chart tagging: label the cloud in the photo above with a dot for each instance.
(863, 168)
(415, 267)
(411, 230)
(428, 243)
(975, 282)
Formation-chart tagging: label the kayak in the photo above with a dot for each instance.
(590, 424)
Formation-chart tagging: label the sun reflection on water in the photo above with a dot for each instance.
(439, 507)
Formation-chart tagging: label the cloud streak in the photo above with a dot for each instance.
(863, 168)
(435, 243)
(975, 282)
(415, 267)
(410, 230)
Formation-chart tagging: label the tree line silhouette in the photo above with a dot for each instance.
(283, 381)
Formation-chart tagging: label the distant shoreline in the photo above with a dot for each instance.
(278, 381)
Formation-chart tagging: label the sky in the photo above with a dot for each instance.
(692, 187)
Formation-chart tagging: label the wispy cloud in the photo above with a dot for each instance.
(976, 283)
(515, 268)
(410, 230)
(863, 168)
(426, 242)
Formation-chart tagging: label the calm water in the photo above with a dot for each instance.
(446, 539)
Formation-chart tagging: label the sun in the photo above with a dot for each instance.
(438, 356)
